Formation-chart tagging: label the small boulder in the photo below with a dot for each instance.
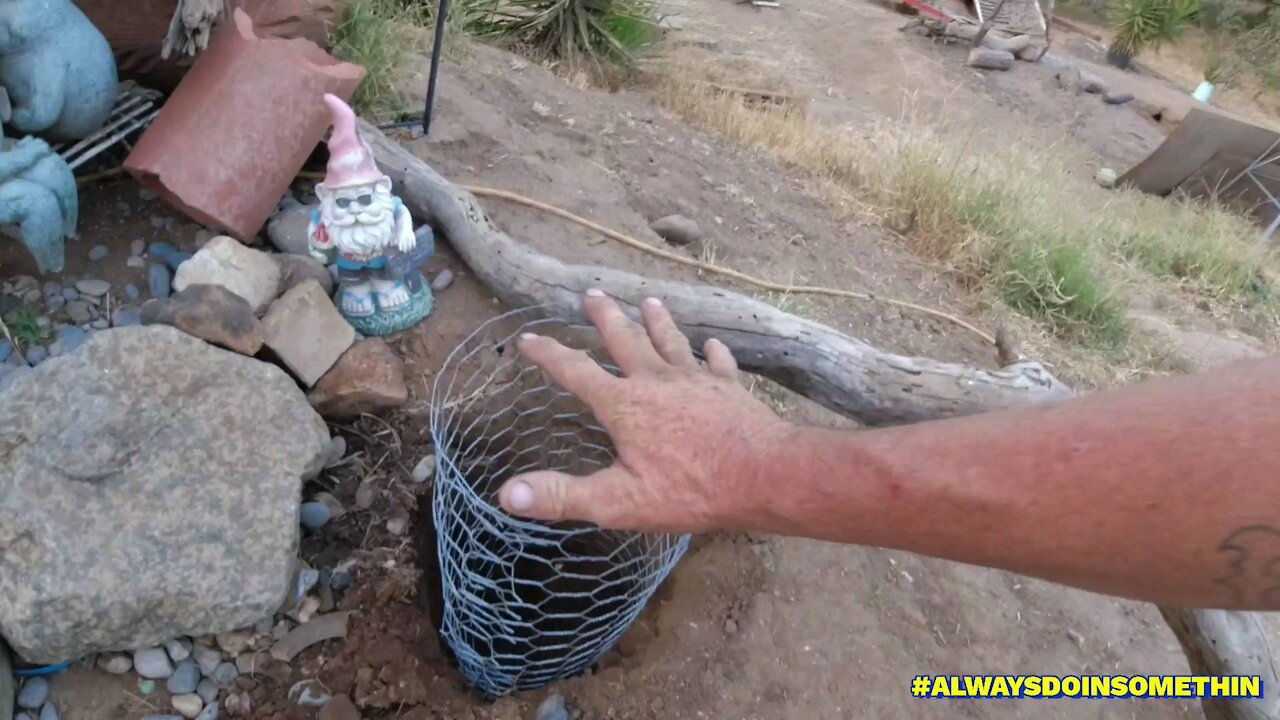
(985, 58)
(210, 312)
(1032, 52)
(1092, 84)
(33, 693)
(116, 663)
(93, 287)
(314, 515)
(1117, 98)
(306, 332)
(225, 261)
(368, 378)
(141, 441)
(78, 311)
(677, 229)
(152, 663)
(185, 678)
(442, 281)
(1106, 177)
(99, 252)
(207, 659)
(207, 690)
(288, 229)
(296, 269)
(188, 704)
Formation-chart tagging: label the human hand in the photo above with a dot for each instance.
(689, 440)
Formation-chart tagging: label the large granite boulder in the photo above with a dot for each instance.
(149, 488)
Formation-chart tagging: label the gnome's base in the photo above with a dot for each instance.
(387, 322)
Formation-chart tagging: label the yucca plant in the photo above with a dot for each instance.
(1142, 24)
(572, 29)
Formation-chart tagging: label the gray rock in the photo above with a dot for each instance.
(37, 354)
(51, 288)
(337, 448)
(224, 676)
(107, 470)
(126, 316)
(94, 287)
(48, 712)
(34, 692)
(207, 658)
(152, 663)
(146, 195)
(136, 261)
(189, 704)
(99, 252)
(56, 303)
(115, 663)
(124, 207)
(425, 468)
(1117, 98)
(207, 690)
(179, 649)
(553, 709)
(1093, 84)
(677, 229)
(70, 294)
(132, 291)
(32, 296)
(137, 247)
(210, 712)
(100, 324)
(6, 349)
(158, 222)
(159, 280)
(23, 716)
(78, 311)
(288, 229)
(306, 332)
(297, 269)
(442, 281)
(314, 515)
(985, 58)
(11, 377)
(185, 678)
(225, 261)
(69, 338)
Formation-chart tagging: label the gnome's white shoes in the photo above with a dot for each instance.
(357, 300)
(390, 293)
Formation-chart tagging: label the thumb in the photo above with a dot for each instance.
(551, 496)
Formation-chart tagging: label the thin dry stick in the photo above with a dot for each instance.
(986, 24)
(717, 269)
(13, 343)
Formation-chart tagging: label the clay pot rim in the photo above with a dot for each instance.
(337, 68)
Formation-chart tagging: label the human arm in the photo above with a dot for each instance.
(1165, 491)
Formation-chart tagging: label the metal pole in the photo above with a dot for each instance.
(442, 15)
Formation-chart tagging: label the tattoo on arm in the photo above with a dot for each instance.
(1253, 560)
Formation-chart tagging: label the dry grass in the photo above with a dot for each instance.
(1013, 225)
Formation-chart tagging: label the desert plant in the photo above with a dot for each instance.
(572, 29)
(1142, 24)
(375, 34)
(25, 328)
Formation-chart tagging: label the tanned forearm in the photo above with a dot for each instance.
(1168, 491)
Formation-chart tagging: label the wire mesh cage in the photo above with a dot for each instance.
(527, 603)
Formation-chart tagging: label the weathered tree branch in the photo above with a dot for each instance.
(833, 369)
(843, 374)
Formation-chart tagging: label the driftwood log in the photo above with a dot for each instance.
(843, 374)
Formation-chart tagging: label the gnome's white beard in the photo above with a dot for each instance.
(364, 232)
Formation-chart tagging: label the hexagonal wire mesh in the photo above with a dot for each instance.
(526, 603)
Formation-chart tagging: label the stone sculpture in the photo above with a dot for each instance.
(56, 69)
(57, 80)
(367, 232)
(38, 196)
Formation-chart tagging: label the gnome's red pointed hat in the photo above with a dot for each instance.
(350, 157)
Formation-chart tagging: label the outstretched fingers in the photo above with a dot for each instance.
(573, 370)
(667, 339)
(628, 343)
(720, 360)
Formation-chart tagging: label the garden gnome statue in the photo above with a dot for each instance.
(368, 233)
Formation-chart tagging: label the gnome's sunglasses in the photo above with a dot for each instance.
(365, 200)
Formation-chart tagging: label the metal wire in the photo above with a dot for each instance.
(526, 603)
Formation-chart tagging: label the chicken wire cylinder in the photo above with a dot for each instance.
(527, 603)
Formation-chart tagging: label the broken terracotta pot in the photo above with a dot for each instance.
(240, 126)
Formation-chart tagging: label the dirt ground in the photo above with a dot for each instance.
(747, 627)
(758, 627)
